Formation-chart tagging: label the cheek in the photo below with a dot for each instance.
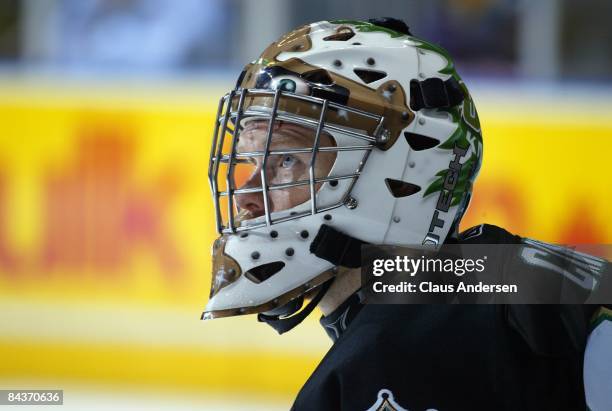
(285, 199)
(291, 197)
(287, 175)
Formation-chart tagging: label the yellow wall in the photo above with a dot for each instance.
(106, 224)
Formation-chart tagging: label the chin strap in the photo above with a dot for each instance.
(330, 245)
(284, 324)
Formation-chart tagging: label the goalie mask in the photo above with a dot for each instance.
(340, 133)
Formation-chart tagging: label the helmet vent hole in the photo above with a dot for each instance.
(319, 76)
(419, 142)
(342, 34)
(399, 188)
(263, 272)
(370, 76)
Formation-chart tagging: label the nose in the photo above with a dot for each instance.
(252, 202)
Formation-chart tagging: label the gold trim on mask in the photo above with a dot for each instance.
(277, 302)
(388, 100)
(294, 41)
(225, 270)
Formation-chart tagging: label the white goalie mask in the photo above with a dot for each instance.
(347, 126)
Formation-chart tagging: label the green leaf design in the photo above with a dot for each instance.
(462, 181)
(459, 137)
(436, 185)
(450, 66)
(454, 112)
(368, 27)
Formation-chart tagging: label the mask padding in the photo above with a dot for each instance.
(263, 272)
(419, 142)
(399, 188)
(370, 76)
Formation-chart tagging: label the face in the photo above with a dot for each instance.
(280, 168)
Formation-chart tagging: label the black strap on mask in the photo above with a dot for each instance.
(330, 245)
(282, 325)
(337, 248)
(435, 93)
(391, 23)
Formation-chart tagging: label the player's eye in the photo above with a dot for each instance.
(288, 161)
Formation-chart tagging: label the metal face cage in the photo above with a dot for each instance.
(319, 114)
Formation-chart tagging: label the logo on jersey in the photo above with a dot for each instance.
(386, 402)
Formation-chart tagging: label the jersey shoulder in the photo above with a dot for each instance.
(395, 346)
(575, 282)
(487, 234)
(555, 264)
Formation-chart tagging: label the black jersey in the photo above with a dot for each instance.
(452, 357)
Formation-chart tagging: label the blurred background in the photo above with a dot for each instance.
(106, 220)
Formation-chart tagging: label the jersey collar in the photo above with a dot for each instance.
(336, 323)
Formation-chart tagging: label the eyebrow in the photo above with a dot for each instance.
(301, 137)
(283, 138)
(297, 141)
